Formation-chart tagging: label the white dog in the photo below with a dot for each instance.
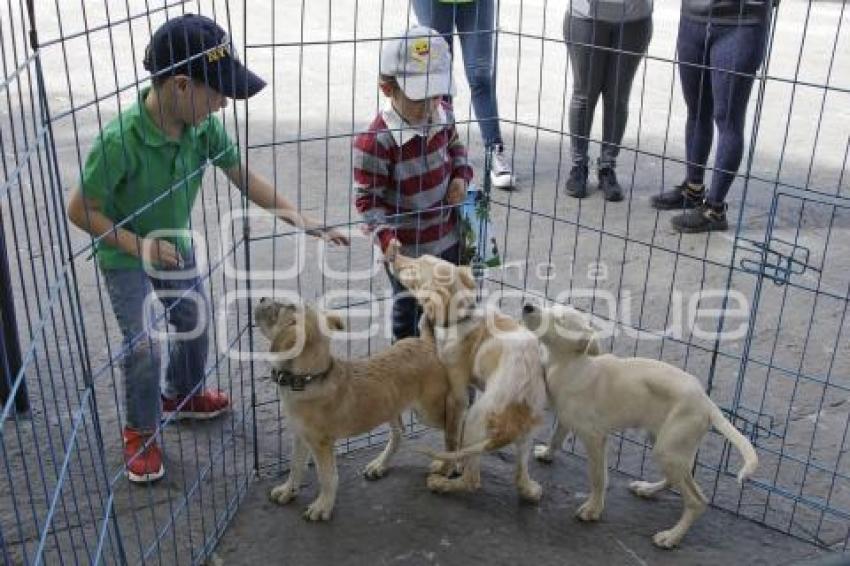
(488, 349)
(594, 395)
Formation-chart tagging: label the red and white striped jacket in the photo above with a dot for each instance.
(401, 177)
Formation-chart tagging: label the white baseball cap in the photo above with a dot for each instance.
(420, 62)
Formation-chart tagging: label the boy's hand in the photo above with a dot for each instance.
(160, 253)
(392, 250)
(335, 236)
(457, 191)
(331, 235)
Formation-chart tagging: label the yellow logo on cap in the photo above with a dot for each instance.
(218, 53)
(420, 49)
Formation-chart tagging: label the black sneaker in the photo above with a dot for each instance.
(608, 184)
(682, 196)
(577, 183)
(704, 218)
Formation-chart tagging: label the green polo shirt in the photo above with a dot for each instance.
(138, 174)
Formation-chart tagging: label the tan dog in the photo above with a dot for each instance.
(488, 349)
(594, 395)
(344, 398)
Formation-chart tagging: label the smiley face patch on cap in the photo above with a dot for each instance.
(420, 49)
(421, 63)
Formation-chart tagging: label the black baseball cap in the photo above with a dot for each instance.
(198, 47)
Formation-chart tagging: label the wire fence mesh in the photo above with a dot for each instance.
(779, 275)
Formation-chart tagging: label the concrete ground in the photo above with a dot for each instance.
(396, 520)
(322, 94)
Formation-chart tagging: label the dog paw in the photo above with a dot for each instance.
(543, 453)
(531, 491)
(375, 470)
(666, 539)
(283, 493)
(441, 468)
(643, 489)
(442, 484)
(318, 511)
(438, 483)
(588, 512)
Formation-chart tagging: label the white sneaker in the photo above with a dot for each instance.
(501, 175)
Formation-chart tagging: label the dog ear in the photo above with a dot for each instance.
(466, 277)
(334, 321)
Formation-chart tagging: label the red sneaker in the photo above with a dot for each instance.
(144, 463)
(208, 404)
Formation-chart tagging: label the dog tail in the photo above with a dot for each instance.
(751, 460)
(503, 427)
(471, 450)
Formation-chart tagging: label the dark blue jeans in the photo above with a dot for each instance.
(406, 311)
(713, 95)
(132, 293)
(474, 22)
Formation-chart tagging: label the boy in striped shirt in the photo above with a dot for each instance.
(410, 166)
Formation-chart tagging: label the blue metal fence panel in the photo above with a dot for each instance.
(775, 359)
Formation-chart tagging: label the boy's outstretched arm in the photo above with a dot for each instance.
(86, 214)
(372, 180)
(263, 194)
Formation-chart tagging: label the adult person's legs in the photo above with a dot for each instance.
(736, 54)
(632, 40)
(475, 24)
(582, 36)
(437, 16)
(693, 47)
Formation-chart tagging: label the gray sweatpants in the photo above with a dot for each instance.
(608, 71)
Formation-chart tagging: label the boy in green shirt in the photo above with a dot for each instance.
(140, 181)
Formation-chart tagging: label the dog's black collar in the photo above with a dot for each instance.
(297, 381)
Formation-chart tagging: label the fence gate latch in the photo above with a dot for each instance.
(777, 259)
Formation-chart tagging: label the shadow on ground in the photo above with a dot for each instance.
(398, 521)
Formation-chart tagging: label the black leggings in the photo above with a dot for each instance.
(608, 72)
(715, 96)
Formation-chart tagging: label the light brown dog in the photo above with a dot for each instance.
(344, 398)
(485, 348)
(596, 394)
